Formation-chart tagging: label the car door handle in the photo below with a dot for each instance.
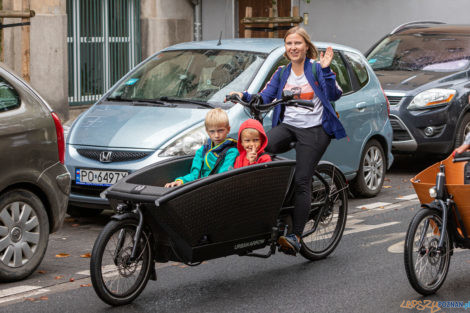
(361, 106)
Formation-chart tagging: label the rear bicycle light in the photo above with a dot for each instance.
(60, 137)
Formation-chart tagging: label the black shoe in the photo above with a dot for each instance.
(289, 243)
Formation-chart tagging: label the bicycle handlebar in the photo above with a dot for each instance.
(256, 106)
(462, 157)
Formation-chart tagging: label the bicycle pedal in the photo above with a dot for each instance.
(287, 251)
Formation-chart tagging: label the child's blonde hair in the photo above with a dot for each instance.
(251, 131)
(216, 117)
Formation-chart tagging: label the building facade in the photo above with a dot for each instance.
(78, 49)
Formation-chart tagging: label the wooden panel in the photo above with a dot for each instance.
(261, 9)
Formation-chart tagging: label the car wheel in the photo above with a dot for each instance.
(76, 211)
(371, 174)
(463, 130)
(24, 233)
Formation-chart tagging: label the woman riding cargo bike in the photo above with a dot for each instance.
(310, 128)
(231, 213)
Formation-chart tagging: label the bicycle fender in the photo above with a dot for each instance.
(124, 216)
(432, 206)
(323, 162)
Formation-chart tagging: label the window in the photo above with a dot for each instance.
(358, 67)
(342, 76)
(206, 75)
(424, 51)
(281, 62)
(9, 98)
(337, 66)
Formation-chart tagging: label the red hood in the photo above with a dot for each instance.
(251, 123)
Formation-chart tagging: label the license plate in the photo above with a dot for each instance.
(98, 177)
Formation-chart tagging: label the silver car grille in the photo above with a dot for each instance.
(394, 100)
(400, 133)
(115, 156)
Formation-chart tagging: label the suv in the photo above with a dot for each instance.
(34, 183)
(424, 69)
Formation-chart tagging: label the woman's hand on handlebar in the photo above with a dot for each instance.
(232, 93)
(461, 149)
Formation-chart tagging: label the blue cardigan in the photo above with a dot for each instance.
(325, 89)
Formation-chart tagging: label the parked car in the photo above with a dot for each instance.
(424, 68)
(34, 183)
(157, 111)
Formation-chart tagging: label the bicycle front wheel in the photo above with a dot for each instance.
(426, 267)
(328, 212)
(116, 278)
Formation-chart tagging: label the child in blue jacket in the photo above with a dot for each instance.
(218, 146)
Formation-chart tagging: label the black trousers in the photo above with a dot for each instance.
(311, 143)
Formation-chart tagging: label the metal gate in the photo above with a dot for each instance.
(103, 39)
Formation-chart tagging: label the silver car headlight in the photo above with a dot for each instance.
(432, 97)
(186, 144)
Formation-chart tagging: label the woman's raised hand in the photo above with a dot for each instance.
(326, 58)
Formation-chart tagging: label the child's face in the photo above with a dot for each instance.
(217, 134)
(251, 140)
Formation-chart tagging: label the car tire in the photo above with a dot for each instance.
(76, 211)
(371, 174)
(24, 234)
(463, 129)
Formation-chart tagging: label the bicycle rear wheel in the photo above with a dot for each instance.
(426, 268)
(318, 242)
(116, 279)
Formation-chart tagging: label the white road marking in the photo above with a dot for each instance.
(18, 289)
(373, 205)
(408, 197)
(399, 247)
(351, 223)
(18, 297)
(388, 237)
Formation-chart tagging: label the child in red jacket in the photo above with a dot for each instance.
(251, 143)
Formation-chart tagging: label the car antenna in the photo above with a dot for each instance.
(220, 39)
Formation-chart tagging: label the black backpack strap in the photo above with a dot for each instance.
(220, 159)
(204, 151)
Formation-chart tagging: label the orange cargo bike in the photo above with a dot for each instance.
(441, 225)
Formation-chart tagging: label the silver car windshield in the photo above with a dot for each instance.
(427, 52)
(200, 75)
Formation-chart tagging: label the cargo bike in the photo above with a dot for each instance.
(442, 224)
(230, 213)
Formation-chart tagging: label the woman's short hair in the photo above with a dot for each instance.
(216, 117)
(312, 52)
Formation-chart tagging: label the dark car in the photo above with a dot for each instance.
(424, 69)
(34, 183)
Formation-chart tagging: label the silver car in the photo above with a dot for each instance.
(34, 183)
(156, 112)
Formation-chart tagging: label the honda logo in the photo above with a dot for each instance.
(105, 156)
